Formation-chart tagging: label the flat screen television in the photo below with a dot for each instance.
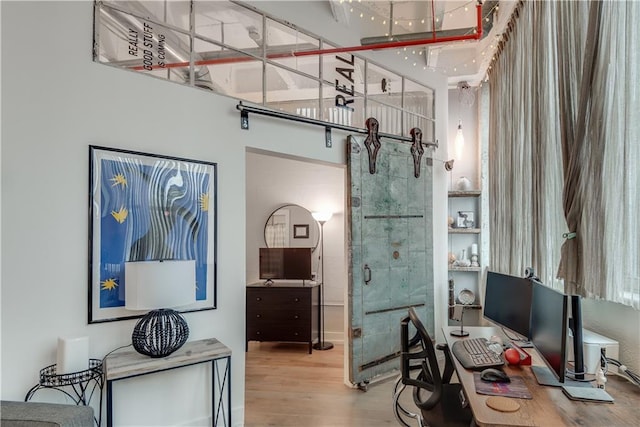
(507, 302)
(549, 325)
(285, 263)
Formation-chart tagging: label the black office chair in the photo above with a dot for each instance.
(439, 401)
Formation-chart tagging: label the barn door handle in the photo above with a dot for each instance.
(367, 274)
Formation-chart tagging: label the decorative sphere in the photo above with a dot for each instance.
(159, 333)
(450, 221)
(452, 257)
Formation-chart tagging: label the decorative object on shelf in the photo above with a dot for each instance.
(474, 255)
(142, 207)
(452, 258)
(157, 286)
(466, 297)
(450, 221)
(452, 297)
(73, 355)
(322, 218)
(465, 219)
(463, 261)
(463, 184)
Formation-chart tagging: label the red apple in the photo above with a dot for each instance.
(512, 356)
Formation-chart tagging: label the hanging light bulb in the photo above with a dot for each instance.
(459, 142)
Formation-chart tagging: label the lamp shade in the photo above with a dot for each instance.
(151, 285)
(322, 216)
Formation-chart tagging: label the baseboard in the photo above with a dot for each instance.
(237, 419)
(334, 337)
(201, 422)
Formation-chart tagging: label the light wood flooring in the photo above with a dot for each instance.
(287, 386)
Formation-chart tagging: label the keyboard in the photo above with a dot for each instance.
(473, 353)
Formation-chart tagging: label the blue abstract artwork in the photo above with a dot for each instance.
(147, 207)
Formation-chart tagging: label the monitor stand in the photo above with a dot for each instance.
(544, 376)
(587, 394)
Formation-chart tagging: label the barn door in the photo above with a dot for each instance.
(390, 249)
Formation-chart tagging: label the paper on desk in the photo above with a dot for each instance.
(516, 388)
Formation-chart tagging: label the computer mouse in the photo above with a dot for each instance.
(494, 375)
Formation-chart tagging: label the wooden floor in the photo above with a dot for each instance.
(287, 386)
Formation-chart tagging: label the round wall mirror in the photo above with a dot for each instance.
(291, 226)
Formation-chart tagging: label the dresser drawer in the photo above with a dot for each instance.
(284, 316)
(277, 298)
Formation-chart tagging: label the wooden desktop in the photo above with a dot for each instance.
(549, 405)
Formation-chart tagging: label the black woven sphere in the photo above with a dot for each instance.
(159, 333)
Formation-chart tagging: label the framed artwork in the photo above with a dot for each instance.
(301, 231)
(465, 219)
(148, 207)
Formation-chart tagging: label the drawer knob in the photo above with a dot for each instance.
(258, 315)
(258, 333)
(258, 299)
(296, 317)
(296, 299)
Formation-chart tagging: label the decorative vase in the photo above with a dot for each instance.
(463, 184)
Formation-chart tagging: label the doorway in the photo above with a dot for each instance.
(274, 180)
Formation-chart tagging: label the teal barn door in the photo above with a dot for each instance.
(390, 252)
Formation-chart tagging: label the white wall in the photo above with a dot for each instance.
(55, 102)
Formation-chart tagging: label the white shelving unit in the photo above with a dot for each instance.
(461, 239)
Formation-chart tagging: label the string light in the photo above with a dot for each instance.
(370, 13)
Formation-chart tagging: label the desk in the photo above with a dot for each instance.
(549, 406)
(128, 364)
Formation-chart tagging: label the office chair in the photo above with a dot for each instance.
(437, 398)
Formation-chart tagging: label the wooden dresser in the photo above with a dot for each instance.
(283, 312)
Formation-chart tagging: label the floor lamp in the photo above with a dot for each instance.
(322, 217)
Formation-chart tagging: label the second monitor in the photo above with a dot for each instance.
(507, 303)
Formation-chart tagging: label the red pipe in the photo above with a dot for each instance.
(377, 46)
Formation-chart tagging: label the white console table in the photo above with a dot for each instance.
(128, 364)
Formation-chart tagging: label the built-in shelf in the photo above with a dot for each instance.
(464, 231)
(453, 268)
(474, 306)
(470, 193)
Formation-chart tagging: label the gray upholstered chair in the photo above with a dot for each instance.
(36, 414)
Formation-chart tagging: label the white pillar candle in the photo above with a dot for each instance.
(474, 249)
(73, 355)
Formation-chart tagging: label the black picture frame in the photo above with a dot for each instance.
(147, 207)
(300, 231)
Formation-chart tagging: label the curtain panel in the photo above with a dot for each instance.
(564, 152)
(525, 181)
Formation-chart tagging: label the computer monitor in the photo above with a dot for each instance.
(285, 263)
(507, 302)
(549, 324)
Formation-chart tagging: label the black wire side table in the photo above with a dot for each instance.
(79, 386)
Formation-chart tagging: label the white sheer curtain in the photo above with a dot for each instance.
(564, 147)
(525, 182)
